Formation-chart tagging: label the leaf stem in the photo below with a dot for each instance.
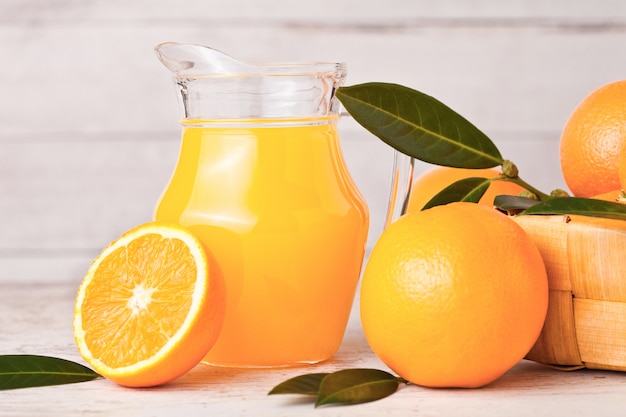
(511, 173)
(517, 180)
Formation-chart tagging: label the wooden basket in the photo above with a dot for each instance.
(585, 259)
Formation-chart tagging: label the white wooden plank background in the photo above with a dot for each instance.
(89, 121)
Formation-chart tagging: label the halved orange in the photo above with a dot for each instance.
(150, 306)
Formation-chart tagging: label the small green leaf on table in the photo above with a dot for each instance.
(353, 386)
(348, 386)
(24, 371)
(308, 384)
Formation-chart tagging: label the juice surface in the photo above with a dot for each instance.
(285, 224)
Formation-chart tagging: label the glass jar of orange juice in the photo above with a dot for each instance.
(261, 180)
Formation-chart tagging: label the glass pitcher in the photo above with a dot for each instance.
(261, 180)
(401, 185)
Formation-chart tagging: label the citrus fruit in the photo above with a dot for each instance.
(591, 141)
(431, 182)
(453, 296)
(149, 307)
(615, 196)
(621, 164)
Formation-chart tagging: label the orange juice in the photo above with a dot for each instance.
(279, 213)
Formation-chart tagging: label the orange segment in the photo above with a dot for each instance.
(149, 307)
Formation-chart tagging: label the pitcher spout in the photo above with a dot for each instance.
(195, 60)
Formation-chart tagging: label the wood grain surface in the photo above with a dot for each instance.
(36, 319)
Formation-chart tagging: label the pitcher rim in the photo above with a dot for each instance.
(271, 69)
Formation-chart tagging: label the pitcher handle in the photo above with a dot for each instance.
(402, 178)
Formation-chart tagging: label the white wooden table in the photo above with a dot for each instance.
(36, 319)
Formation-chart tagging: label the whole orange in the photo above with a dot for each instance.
(431, 182)
(591, 140)
(453, 296)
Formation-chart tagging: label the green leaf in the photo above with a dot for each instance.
(419, 125)
(308, 384)
(468, 189)
(352, 386)
(581, 206)
(24, 371)
(513, 202)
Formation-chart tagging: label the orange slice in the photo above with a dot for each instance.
(150, 307)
